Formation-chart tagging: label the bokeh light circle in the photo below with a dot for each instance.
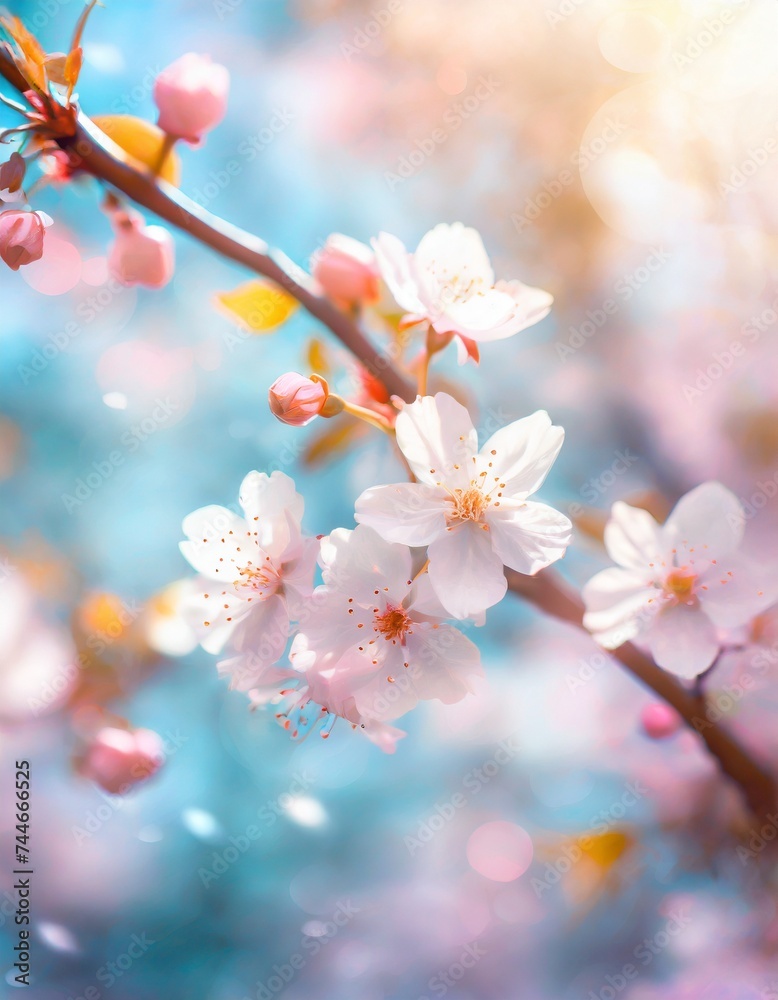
(500, 851)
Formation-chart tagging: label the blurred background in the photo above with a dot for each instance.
(532, 841)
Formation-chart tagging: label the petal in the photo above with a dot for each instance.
(274, 509)
(455, 249)
(409, 513)
(523, 452)
(632, 537)
(394, 263)
(298, 577)
(437, 437)
(683, 640)
(528, 537)
(444, 662)
(423, 601)
(617, 606)
(263, 639)
(465, 572)
(358, 562)
(736, 590)
(708, 520)
(476, 317)
(219, 542)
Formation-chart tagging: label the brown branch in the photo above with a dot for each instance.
(105, 160)
(548, 592)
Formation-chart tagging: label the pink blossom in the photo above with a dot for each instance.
(449, 283)
(191, 95)
(372, 644)
(470, 507)
(676, 584)
(117, 759)
(140, 254)
(347, 272)
(295, 399)
(256, 574)
(21, 237)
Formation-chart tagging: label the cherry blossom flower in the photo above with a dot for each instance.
(449, 283)
(297, 400)
(117, 759)
(21, 237)
(470, 507)
(191, 95)
(256, 573)
(347, 272)
(676, 584)
(140, 254)
(372, 644)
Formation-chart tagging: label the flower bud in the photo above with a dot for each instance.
(141, 254)
(347, 272)
(117, 759)
(191, 95)
(659, 721)
(296, 400)
(21, 237)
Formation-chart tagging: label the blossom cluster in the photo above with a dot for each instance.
(377, 635)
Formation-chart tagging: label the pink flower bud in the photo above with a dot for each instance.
(191, 95)
(296, 400)
(21, 237)
(141, 254)
(117, 759)
(659, 721)
(347, 272)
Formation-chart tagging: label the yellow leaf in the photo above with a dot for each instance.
(318, 359)
(336, 440)
(142, 142)
(259, 306)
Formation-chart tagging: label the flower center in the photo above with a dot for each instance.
(468, 505)
(256, 578)
(679, 583)
(393, 623)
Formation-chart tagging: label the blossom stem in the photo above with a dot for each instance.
(424, 367)
(369, 416)
(548, 592)
(100, 156)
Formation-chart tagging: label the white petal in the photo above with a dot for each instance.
(394, 263)
(409, 513)
(683, 641)
(298, 577)
(220, 543)
(263, 639)
(735, 590)
(423, 600)
(456, 249)
(437, 437)
(617, 606)
(443, 661)
(522, 453)
(476, 317)
(360, 561)
(274, 509)
(708, 521)
(632, 537)
(465, 572)
(529, 537)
